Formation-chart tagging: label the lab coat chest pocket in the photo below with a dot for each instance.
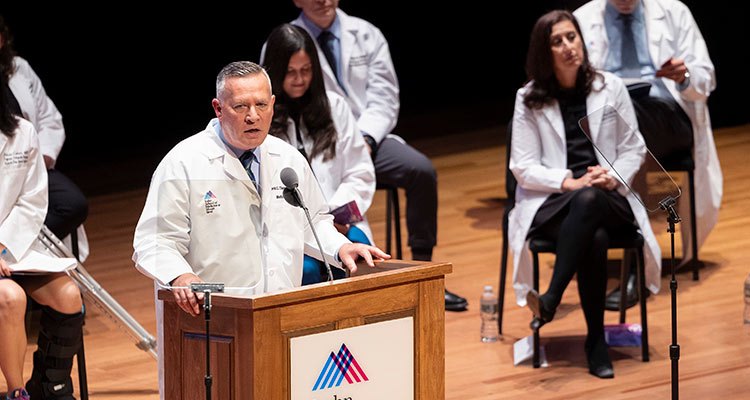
(358, 67)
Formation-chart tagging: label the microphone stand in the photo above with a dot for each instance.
(674, 349)
(207, 289)
(298, 198)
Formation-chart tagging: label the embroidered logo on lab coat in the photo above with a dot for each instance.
(16, 158)
(210, 202)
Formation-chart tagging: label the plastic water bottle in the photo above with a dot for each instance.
(489, 312)
(747, 300)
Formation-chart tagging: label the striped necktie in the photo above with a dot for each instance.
(247, 159)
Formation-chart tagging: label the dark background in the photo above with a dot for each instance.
(133, 80)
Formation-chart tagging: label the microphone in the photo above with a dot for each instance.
(289, 178)
(293, 196)
(291, 193)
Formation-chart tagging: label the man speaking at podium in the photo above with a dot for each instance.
(215, 209)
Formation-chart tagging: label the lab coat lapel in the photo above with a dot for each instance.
(554, 117)
(654, 14)
(269, 169)
(594, 104)
(233, 168)
(348, 39)
(229, 162)
(3, 142)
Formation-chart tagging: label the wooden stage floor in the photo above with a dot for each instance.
(715, 345)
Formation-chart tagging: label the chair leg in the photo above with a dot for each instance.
(693, 224)
(388, 213)
(624, 277)
(641, 281)
(536, 361)
(397, 222)
(83, 386)
(501, 285)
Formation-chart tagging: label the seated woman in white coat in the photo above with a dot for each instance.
(322, 127)
(564, 190)
(23, 205)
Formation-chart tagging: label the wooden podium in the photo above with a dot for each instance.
(250, 356)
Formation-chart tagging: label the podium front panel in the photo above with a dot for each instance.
(368, 362)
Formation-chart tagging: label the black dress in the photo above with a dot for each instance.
(580, 155)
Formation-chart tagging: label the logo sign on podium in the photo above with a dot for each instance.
(373, 361)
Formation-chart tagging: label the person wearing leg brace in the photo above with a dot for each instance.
(23, 206)
(59, 340)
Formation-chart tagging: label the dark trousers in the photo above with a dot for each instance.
(398, 164)
(666, 129)
(68, 207)
(581, 230)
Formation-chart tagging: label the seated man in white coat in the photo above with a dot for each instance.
(215, 209)
(659, 42)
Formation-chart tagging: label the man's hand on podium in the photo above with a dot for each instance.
(186, 299)
(349, 253)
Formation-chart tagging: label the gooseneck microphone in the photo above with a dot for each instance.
(293, 196)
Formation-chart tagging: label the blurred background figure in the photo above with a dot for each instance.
(321, 126)
(356, 63)
(68, 207)
(658, 41)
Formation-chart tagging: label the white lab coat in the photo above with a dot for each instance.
(39, 109)
(672, 32)
(245, 241)
(367, 73)
(23, 198)
(185, 229)
(538, 160)
(350, 175)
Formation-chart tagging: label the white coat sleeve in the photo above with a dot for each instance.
(358, 173)
(330, 238)
(526, 153)
(162, 236)
(22, 225)
(382, 106)
(49, 124)
(691, 48)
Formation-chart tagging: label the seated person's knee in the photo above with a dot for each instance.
(12, 298)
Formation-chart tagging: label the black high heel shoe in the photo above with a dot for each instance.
(543, 315)
(597, 355)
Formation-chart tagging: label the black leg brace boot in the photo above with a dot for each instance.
(59, 340)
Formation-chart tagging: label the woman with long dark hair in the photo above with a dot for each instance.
(23, 206)
(322, 127)
(564, 190)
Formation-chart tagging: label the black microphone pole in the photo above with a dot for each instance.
(207, 288)
(674, 349)
(294, 197)
(208, 379)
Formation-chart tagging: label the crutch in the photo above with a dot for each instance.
(98, 296)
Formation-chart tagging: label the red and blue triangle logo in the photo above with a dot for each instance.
(338, 367)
